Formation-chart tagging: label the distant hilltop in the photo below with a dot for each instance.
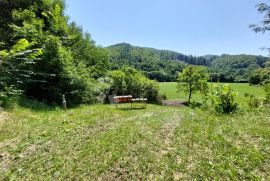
(163, 65)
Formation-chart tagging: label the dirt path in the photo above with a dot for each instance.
(173, 103)
(167, 132)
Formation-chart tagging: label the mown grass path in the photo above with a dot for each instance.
(158, 143)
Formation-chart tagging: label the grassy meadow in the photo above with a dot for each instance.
(100, 142)
(170, 90)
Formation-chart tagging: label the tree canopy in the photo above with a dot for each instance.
(45, 55)
(262, 74)
(192, 79)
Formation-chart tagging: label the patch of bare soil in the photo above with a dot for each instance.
(5, 161)
(5, 157)
(173, 103)
(3, 115)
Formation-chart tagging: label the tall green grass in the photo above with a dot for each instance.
(170, 90)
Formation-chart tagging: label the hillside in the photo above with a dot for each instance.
(163, 65)
(236, 68)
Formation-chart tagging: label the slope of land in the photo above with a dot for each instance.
(102, 142)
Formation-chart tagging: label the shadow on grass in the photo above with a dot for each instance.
(131, 109)
(173, 103)
(193, 104)
(128, 107)
(177, 103)
(36, 105)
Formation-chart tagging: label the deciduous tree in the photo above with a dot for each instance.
(193, 79)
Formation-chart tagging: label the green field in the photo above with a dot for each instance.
(157, 143)
(170, 90)
(100, 142)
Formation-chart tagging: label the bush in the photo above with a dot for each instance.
(259, 76)
(253, 102)
(224, 99)
(150, 91)
(35, 105)
(266, 87)
(129, 81)
(163, 97)
(8, 95)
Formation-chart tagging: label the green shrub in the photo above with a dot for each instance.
(150, 91)
(266, 87)
(163, 96)
(254, 102)
(35, 105)
(129, 81)
(259, 76)
(224, 99)
(8, 95)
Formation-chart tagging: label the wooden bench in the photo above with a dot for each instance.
(127, 99)
(139, 100)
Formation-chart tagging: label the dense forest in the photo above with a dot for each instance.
(163, 65)
(236, 68)
(44, 56)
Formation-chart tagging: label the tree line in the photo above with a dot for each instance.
(163, 65)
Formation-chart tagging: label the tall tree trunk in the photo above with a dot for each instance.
(189, 97)
(190, 92)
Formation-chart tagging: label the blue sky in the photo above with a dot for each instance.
(196, 27)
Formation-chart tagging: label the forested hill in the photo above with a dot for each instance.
(163, 65)
(139, 54)
(236, 68)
